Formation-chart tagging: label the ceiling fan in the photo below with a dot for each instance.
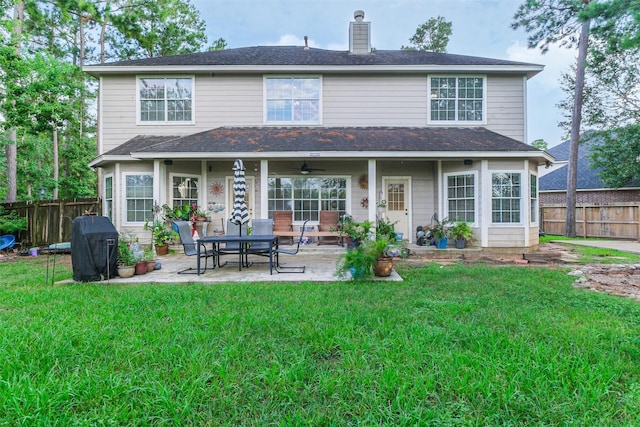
(305, 169)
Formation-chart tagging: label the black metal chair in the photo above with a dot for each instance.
(283, 269)
(190, 249)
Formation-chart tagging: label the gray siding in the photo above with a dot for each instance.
(347, 100)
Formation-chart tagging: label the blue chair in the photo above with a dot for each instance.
(190, 249)
(284, 269)
(261, 227)
(233, 229)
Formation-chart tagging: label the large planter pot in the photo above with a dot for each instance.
(461, 243)
(162, 249)
(125, 271)
(357, 273)
(442, 243)
(151, 265)
(383, 267)
(141, 267)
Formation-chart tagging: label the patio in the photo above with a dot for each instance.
(320, 262)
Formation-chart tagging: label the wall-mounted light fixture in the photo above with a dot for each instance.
(168, 162)
(468, 162)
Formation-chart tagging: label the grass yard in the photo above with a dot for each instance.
(454, 345)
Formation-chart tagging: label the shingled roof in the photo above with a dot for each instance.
(323, 139)
(297, 55)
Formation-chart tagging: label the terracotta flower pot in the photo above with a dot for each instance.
(383, 267)
(151, 265)
(162, 249)
(141, 267)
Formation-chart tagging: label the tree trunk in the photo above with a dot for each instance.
(574, 142)
(56, 168)
(11, 149)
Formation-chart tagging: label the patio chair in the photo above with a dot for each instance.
(284, 269)
(261, 227)
(190, 249)
(283, 221)
(230, 248)
(328, 222)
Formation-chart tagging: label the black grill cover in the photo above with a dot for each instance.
(94, 248)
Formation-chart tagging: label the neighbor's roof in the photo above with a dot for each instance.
(587, 177)
(271, 142)
(270, 58)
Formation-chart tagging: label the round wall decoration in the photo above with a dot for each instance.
(363, 181)
(216, 188)
(364, 202)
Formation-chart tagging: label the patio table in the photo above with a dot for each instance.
(244, 243)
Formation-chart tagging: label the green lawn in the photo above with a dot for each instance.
(453, 345)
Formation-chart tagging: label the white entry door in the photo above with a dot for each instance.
(397, 193)
(248, 196)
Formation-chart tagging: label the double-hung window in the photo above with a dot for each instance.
(461, 197)
(457, 99)
(534, 198)
(108, 197)
(292, 99)
(506, 191)
(139, 197)
(165, 100)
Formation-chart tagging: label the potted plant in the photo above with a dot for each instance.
(160, 236)
(357, 262)
(461, 232)
(356, 232)
(199, 214)
(149, 259)
(378, 249)
(440, 231)
(177, 213)
(125, 262)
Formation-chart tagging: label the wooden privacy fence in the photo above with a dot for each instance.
(49, 221)
(619, 221)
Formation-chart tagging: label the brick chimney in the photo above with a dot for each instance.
(359, 34)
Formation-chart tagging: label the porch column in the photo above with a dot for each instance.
(485, 202)
(202, 202)
(157, 182)
(526, 204)
(373, 190)
(264, 189)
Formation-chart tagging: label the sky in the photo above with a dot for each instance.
(479, 28)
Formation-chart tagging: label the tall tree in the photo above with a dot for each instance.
(148, 29)
(563, 22)
(11, 150)
(432, 36)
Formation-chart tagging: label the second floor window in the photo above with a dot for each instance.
(292, 100)
(165, 99)
(456, 99)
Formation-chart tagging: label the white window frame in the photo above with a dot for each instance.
(475, 194)
(108, 200)
(185, 175)
(265, 119)
(523, 193)
(126, 199)
(456, 121)
(534, 199)
(166, 121)
(293, 200)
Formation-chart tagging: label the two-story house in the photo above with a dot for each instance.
(405, 133)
